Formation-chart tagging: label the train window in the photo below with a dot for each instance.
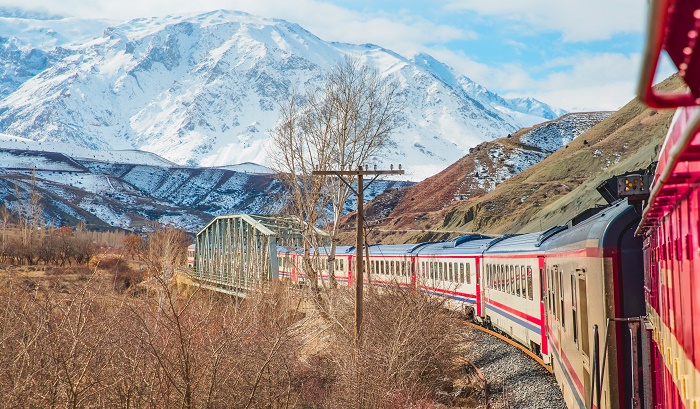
(583, 312)
(506, 273)
(517, 281)
(499, 277)
(689, 246)
(574, 322)
(461, 273)
(468, 274)
(552, 295)
(511, 279)
(494, 271)
(440, 271)
(499, 269)
(501, 284)
(560, 286)
(450, 275)
(503, 277)
(529, 283)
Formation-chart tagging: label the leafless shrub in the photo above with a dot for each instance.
(408, 345)
(89, 346)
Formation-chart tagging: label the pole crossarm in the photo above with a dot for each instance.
(356, 172)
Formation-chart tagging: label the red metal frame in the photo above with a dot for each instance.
(673, 27)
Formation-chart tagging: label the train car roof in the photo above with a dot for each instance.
(594, 228)
(521, 243)
(455, 247)
(391, 249)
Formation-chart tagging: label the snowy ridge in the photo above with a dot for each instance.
(551, 136)
(202, 90)
(506, 157)
(128, 195)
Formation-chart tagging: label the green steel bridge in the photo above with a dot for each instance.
(238, 253)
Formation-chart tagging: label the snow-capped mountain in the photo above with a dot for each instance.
(203, 89)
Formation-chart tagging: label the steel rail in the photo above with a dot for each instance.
(511, 342)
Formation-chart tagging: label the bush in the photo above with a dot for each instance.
(125, 277)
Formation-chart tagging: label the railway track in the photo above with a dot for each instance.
(512, 376)
(513, 343)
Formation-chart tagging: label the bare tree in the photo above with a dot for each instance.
(5, 217)
(29, 217)
(344, 123)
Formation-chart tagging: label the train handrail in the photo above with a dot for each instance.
(658, 33)
(498, 240)
(549, 233)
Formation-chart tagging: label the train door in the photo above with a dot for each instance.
(543, 313)
(413, 271)
(479, 294)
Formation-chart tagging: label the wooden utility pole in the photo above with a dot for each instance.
(359, 245)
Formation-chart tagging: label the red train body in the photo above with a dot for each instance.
(671, 218)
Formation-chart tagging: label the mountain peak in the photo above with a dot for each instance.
(186, 87)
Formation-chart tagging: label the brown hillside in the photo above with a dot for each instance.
(489, 163)
(548, 193)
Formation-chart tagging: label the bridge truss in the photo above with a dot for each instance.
(238, 253)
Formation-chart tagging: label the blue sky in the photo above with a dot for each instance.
(576, 55)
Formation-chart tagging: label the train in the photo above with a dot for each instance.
(546, 290)
(608, 301)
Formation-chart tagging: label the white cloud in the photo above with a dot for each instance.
(583, 82)
(576, 20)
(588, 81)
(402, 32)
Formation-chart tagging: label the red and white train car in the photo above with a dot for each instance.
(512, 294)
(671, 219)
